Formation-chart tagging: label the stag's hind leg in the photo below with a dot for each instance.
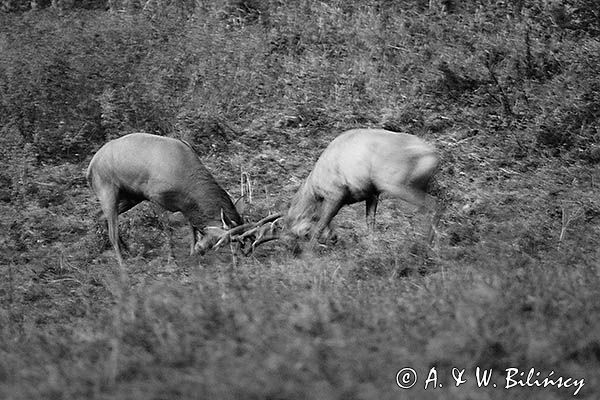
(418, 197)
(122, 206)
(113, 203)
(371, 204)
(109, 203)
(194, 238)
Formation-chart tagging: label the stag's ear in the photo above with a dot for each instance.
(240, 205)
(227, 223)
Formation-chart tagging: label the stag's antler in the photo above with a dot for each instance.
(264, 239)
(266, 233)
(260, 226)
(241, 232)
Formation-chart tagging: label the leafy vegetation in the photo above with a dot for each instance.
(507, 91)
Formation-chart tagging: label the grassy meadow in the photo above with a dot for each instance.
(508, 92)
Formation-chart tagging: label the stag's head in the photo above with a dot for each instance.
(302, 229)
(303, 214)
(208, 236)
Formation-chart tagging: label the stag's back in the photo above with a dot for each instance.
(362, 161)
(160, 169)
(145, 162)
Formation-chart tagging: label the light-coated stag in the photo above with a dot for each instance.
(167, 172)
(359, 165)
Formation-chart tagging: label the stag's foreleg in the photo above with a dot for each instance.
(329, 209)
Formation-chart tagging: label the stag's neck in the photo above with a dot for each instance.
(207, 201)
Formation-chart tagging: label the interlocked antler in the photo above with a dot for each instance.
(241, 232)
(263, 237)
(261, 225)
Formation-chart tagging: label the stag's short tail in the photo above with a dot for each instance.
(424, 169)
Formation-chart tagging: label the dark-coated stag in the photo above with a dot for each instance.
(167, 172)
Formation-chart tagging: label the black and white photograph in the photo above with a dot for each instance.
(299, 199)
